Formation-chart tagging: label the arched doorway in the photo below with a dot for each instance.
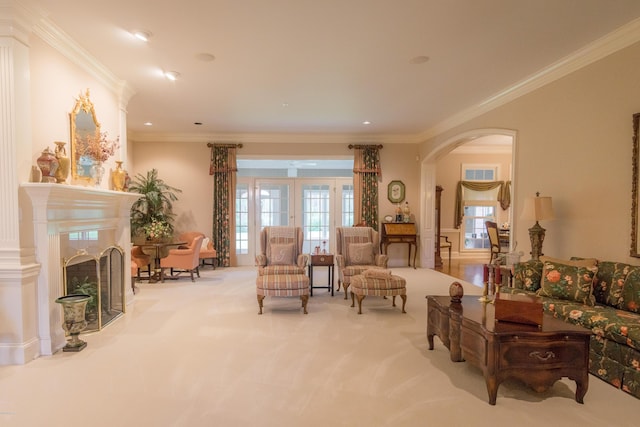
(428, 184)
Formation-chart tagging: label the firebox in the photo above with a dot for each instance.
(101, 277)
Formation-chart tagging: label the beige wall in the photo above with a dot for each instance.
(574, 144)
(186, 166)
(448, 173)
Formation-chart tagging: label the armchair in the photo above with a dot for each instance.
(281, 265)
(182, 260)
(207, 251)
(357, 250)
(140, 261)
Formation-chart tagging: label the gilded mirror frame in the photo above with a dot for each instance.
(79, 133)
(635, 239)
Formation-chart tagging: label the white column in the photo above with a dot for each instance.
(19, 341)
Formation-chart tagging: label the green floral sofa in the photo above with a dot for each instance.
(604, 297)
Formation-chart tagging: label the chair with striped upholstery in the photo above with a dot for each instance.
(281, 265)
(357, 250)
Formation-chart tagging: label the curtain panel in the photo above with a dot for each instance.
(504, 195)
(366, 173)
(223, 167)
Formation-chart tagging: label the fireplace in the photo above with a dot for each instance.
(73, 225)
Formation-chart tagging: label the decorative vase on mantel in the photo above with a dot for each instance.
(97, 172)
(118, 177)
(74, 307)
(64, 163)
(48, 164)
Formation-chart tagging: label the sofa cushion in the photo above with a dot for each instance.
(361, 253)
(610, 281)
(527, 275)
(565, 281)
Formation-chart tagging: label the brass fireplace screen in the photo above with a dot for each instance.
(102, 278)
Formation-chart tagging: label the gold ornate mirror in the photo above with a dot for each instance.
(635, 238)
(84, 128)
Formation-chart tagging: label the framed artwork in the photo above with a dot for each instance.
(395, 191)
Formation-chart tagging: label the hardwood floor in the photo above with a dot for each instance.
(465, 269)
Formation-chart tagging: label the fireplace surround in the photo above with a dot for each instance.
(60, 213)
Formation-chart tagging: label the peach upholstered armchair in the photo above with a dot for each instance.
(207, 251)
(182, 260)
(141, 261)
(357, 250)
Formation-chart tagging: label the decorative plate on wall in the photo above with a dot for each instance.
(395, 191)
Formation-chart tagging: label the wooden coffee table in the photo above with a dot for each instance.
(537, 356)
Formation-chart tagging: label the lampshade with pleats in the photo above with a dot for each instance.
(537, 208)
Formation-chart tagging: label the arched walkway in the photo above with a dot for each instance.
(428, 184)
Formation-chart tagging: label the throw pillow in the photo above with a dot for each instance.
(527, 275)
(574, 262)
(282, 254)
(568, 282)
(377, 273)
(361, 253)
(205, 243)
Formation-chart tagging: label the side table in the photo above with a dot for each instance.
(323, 260)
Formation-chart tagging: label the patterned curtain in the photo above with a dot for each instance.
(223, 168)
(366, 172)
(504, 195)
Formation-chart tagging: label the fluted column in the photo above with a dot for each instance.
(19, 341)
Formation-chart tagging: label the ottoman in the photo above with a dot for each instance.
(377, 284)
(283, 285)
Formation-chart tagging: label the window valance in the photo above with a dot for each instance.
(504, 195)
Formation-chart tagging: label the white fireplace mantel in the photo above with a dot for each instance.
(58, 209)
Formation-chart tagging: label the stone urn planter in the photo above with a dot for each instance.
(73, 307)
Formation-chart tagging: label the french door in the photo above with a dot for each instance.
(317, 205)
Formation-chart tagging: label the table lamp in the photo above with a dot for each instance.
(537, 209)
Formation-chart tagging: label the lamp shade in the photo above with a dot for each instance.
(537, 209)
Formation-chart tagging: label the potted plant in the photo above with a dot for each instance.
(86, 287)
(152, 214)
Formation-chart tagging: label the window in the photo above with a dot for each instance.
(84, 235)
(347, 205)
(242, 219)
(479, 206)
(315, 216)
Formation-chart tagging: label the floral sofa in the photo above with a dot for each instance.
(602, 296)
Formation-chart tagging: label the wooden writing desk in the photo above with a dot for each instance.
(400, 232)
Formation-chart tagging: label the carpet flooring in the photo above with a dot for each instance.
(198, 354)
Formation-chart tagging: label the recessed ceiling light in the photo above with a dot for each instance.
(419, 59)
(285, 104)
(197, 123)
(143, 35)
(366, 122)
(148, 124)
(172, 75)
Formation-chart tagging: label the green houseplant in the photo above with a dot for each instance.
(152, 214)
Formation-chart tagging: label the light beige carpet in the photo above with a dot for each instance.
(198, 354)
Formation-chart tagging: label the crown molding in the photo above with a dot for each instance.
(18, 19)
(618, 39)
(68, 47)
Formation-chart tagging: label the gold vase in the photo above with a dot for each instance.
(118, 177)
(64, 163)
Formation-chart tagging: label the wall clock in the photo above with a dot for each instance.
(395, 191)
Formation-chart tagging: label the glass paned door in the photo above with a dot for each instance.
(275, 203)
(316, 216)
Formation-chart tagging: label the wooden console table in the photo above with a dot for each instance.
(400, 232)
(536, 356)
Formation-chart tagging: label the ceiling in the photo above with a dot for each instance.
(302, 67)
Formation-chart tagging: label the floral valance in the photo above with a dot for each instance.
(223, 158)
(504, 195)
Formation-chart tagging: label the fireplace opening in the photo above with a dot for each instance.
(102, 278)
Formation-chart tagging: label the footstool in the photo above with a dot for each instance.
(283, 285)
(378, 285)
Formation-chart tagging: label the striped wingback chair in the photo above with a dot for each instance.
(281, 265)
(281, 251)
(357, 250)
